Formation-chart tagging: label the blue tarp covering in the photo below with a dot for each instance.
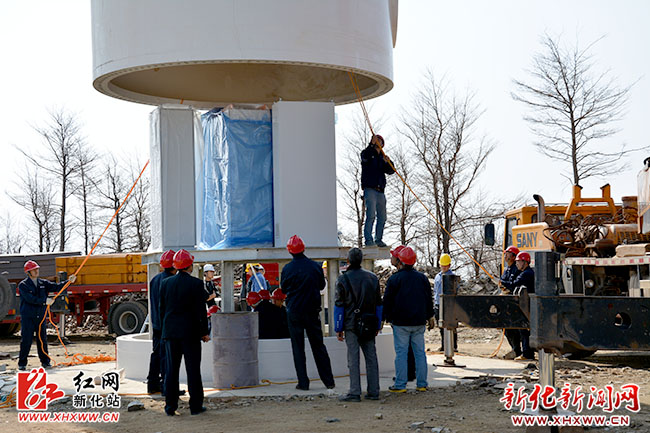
(238, 179)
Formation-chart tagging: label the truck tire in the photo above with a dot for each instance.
(6, 297)
(127, 318)
(144, 302)
(8, 329)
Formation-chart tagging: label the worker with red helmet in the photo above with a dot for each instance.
(184, 326)
(271, 318)
(394, 261)
(156, 376)
(525, 280)
(375, 165)
(33, 303)
(510, 273)
(408, 305)
(302, 280)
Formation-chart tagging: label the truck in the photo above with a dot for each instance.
(113, 286)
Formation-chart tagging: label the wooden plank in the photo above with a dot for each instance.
(629, 250)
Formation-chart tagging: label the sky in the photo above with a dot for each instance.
(477, 45)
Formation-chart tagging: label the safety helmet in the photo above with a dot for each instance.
(512, 249)
(213, 309)
(183, 259)
(256, 266)
(395, 251)
(295, 245)
(208, 268)
(265, 294)
(30, 265)
(167, 259)
(278, 295)
(253, 298)
(407, 256)
(523, 256)
(445, 260)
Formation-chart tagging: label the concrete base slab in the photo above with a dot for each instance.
(437, 378)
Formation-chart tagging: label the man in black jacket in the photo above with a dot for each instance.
(357, 293)
(184, 326)
(408, 305)
(375, 165)
(302, 280)
(157, 360)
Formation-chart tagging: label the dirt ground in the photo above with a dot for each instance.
(470, 407)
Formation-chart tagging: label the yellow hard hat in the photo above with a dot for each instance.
(252, 265)
(445, 260)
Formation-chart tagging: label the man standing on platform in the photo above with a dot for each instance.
(375, 165)
(302, 280)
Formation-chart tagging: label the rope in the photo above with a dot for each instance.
(77, 358)
(367, 117)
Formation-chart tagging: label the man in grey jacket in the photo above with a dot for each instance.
(357, 297)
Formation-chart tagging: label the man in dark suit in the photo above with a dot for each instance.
(184, 326)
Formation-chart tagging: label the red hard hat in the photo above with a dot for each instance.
(30, 265)
(295, 245)
(253, 298)
(278, 295)
(512, 249)
(183, 259)
(523, 256)
(396, 250)
(264, 294)
(213, 309)
(167, 259)
(407, 256)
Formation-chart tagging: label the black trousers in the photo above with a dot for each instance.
(156, 377)
(29, 327)
(190, 350)
(514, 338)
(525, 344)
(298, 326)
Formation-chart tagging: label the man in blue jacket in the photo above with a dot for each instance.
(33, 302)
(408, 305)
(156, 377)
(357, 294)
(301, 281)
(526, 278)
(375, 165)
(184, 326)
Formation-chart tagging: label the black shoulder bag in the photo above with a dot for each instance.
(365, 324)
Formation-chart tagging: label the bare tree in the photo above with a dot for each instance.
(572, 107)
(61, 139)
(404, 211)
(37, 198)
(111, 193)
(13, 239)
(85, 185)
(138, 210)
(440, 126)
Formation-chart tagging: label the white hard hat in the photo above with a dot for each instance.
(208, 267)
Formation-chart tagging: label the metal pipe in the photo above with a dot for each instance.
(541, 208)
(546, 368)
(227, 287)
(449, 346)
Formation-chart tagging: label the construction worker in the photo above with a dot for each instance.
(445, 269)
(510, 273)
(302, 280)
(256, 280)
(394, 260)
(375, 165)
(33, 303)
(272, 323)
(357, 307)
(408, 305)
(156, 376)
(525, 280)
(208, 284)
(280, 313)
(184, 326)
